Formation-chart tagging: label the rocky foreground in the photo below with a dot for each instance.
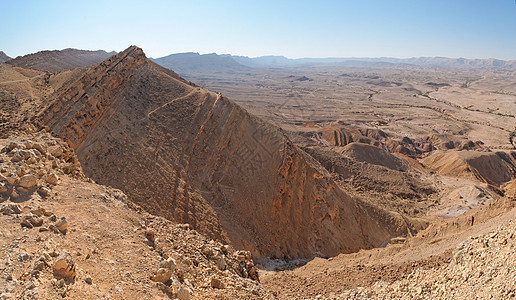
(63, 235)
(483, 267)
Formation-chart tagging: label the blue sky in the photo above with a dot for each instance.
(359, 28)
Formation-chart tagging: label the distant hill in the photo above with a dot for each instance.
(195, 62)
(60, 60)
(440, 62)
(3, 57)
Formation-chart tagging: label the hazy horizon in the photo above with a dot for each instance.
(294, 29)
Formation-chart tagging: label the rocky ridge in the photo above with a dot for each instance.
(60, 60)
(217, 167)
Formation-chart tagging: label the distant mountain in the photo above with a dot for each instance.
(60, 60)
(264, 61)
(3, 57)
(184, 63)
(440, 62)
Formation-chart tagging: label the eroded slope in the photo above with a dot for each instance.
(192, 155)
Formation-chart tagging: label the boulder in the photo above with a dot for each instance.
(28, 181)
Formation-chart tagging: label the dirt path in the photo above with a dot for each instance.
(22, 80)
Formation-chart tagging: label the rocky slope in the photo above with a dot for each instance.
(192, 155)
(60, 60)
(65, 236)
(482, 267)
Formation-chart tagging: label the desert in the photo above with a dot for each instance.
(217, 176)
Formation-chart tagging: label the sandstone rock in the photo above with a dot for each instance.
(64, 266)
(62, 225)
(162, 275)
(52, 178)
(217, 283)
(253, 274)
(39, 147)
(28, 181)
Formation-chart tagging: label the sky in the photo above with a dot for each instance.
(295, 29)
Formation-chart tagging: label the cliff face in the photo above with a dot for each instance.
(193, 156)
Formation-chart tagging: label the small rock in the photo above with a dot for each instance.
(162, 275)
(26, 223)
(11, 179)
(225, 249)
(11, 209)
(150, 235)
(64, 266)
(170, 264)
(44, 191)
(88, 279)
(62, 225)
(39, 265)
(28, 181)
(23, 256)
(52, 179)
(221, 262)
(52, 218)
(34, 220)
(56, 151)
(183, 293)
(38, 211)
(217, 283)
